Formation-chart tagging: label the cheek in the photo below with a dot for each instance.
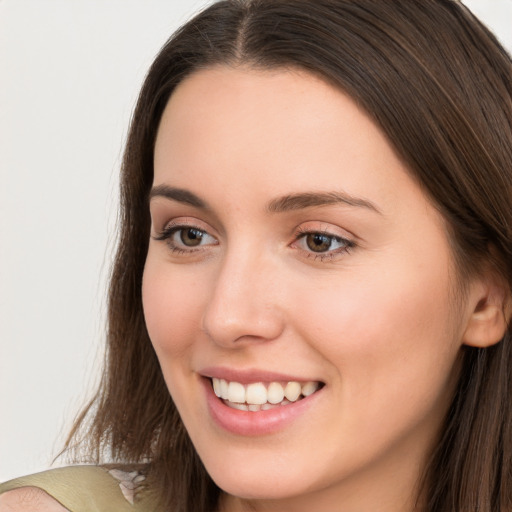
(172, 308)
(391, 338)
(385, 306)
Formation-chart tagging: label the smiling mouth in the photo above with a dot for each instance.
(259, 396)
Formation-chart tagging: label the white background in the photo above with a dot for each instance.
(70, 71)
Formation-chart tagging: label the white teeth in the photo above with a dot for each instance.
(224, 389)
(292, 391)
(309, 388)
(256, 394)
(236, 393)
(216, 387)
(275, 393)
(240, 407)
(259, 396)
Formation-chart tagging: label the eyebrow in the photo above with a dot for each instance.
(311, 199)
(180, 195)
(282, 204)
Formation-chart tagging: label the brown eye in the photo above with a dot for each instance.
(183, 239)
(318, 242)
(191, 237)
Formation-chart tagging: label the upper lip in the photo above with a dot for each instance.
(248, 376)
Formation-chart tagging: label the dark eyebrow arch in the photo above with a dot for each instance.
(178, 194)
(286, 203)
(311, 199)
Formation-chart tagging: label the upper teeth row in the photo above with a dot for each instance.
(259, 393)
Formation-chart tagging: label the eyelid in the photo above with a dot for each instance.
(174, 226)
(326, 229)
(348, 240)
(185, 222)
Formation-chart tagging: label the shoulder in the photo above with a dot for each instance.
(74, 488)
(27, 499)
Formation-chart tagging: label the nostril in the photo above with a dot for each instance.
(242, 308)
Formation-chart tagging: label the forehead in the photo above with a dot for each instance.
(270, 124)
(281, 97)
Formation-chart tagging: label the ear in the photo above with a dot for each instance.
(491, 304)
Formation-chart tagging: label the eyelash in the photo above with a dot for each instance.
(300, 234)
(168, 232)
(348, 245)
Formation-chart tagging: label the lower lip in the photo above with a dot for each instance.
(247, 423)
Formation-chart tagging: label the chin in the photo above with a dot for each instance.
(260, 475)
(257, 487)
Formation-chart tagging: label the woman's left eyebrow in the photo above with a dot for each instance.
(303, 200)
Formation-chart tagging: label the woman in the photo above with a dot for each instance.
(311, 300)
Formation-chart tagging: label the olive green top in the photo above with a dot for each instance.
(86, 489)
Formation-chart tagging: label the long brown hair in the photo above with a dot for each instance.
(440, 86)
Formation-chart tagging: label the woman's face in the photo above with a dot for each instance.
(290, 245)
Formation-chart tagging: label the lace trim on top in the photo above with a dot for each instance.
(128, 482)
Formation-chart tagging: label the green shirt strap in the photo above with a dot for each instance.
(80, 489)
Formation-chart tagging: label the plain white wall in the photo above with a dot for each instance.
(70, 71)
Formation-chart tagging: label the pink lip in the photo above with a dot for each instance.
(246, 423)
(249, 376)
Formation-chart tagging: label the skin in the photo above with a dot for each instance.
(377, 323)
(29, 499)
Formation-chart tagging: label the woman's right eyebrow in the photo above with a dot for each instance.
(180, 195)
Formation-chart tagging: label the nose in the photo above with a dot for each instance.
(243, 306)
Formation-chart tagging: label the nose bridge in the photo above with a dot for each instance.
(243, 303)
